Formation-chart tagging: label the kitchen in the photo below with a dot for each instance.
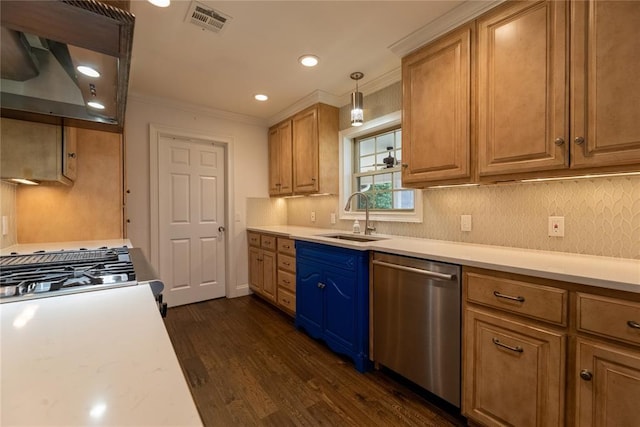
(601, 214)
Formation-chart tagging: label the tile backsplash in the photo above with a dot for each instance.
(602, 215)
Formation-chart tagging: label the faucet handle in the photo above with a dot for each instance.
(371, 227)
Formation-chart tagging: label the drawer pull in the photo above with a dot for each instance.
(586, 375)
(285, 281)
(633, 324)
(321, 285)
(509, 297)
(286, 263)
(286, 301)
(517, 349)
(286, 246)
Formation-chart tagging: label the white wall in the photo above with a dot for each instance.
(247, 171)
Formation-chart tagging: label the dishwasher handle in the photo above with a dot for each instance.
(428, 273)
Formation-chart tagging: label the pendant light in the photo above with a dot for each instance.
(357, 113)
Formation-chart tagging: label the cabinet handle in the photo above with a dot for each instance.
(633, 324)
(285, 281)
(559, 141)
(579, 140)
(509, 297)
(286, 301)
(517, 349)
(71, 155)
(586, 375)
(286, 246)
(321, 285)
(286, 263)
(405, 165)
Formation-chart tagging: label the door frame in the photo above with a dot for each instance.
(156, 132)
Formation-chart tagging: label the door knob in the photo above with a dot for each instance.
(221, 229)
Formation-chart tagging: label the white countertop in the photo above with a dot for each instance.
(605, 272)
(28, 248)
(90, 359)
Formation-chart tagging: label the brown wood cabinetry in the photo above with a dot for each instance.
(272, 269)
(280, 160)
(436, 119)
(542, 352)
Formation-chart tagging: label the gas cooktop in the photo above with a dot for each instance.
(45, 274)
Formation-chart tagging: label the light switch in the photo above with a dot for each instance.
(465, 222)
(333, 217)
(313, 216)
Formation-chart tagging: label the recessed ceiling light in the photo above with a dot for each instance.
(96, 105)
(260, 97)
(88, 71)
(308, 60)
(160, 3)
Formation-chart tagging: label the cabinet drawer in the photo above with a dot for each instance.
(254, 239)
(609, 317)
(286, 262)
(268, 242)
(286, 246)
(527, 299)
(287, 300)
(287, 280)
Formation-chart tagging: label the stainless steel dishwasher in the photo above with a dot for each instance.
(416, 322)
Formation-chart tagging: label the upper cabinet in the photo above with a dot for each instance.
(311, 162)
(436, 119)
(522, 105)
(280, 160)
(605, 88)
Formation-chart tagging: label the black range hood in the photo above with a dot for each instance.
(42, 44)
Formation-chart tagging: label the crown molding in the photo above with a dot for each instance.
(196, 109)
(442, 25)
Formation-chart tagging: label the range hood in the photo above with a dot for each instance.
(43, 43)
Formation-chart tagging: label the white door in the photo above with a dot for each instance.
(191, 220)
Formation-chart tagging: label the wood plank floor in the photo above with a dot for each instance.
(247, 365)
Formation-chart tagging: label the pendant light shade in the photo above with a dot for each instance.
(357, 105)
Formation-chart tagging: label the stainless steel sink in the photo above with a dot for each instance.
(352, 237)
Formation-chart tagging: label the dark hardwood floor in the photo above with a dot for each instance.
(246, 365)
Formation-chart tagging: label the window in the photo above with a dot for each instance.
(377, 171)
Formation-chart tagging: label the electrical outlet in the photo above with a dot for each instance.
(556, 226)
(333, 217)
(313, 216)
(465, 222)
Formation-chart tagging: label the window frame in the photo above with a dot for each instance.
(347, 155)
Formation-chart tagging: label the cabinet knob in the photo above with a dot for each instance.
(586, 375)
(405, 165)
(321, 285)
(579, 140)
(559, 141)
(71, 155)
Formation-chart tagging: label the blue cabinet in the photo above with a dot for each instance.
(332, 298)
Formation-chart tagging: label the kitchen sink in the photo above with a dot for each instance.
(352, 237)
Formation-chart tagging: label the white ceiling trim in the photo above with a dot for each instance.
(442, 25)
(196, 109)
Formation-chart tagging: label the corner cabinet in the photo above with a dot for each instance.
(332, 301)
(280, 160)
(436, 119)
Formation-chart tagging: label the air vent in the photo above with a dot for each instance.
(207, 18)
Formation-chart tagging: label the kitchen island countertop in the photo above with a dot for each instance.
(93, 358)
(604, 272)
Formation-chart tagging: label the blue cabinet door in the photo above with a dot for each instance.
(309, 298)
(340, 309)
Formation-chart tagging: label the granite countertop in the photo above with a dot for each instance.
(93, 358)
(604, 272)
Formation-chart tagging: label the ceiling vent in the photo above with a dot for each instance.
(207, 18)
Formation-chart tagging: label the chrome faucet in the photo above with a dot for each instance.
(367, 229)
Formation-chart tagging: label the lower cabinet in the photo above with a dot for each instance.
(517, 372)
(332, 298)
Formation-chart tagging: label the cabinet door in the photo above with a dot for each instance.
(514, 373)
(436, 110)
(255, 269)
(605, 84)
(608, 384)
(286, 160)
(274, 161)
(305, 151)
(69, 153)
(340, 308)
(309, 297)
(269, 269)
(522, 101)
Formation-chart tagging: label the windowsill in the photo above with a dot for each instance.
(383, 217)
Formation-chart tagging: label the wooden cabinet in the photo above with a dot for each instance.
(280, 160)
(436, 119)
(38, 151)
(517, 371)
(605, 41)
(522, 85)
(524, 98)
(262, 265)
(544, 352)
(333, 298)
(287, 275)
(315, 150)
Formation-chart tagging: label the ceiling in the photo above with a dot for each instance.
(258, 49)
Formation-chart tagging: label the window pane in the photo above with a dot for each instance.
(384, 181)
(381, 162)
(403, 199)
(382, 200)
(364, 183)
(385, 141)
(397, 180)
(399, 138)
(399, 156)
(367, 164)
(367, 146)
